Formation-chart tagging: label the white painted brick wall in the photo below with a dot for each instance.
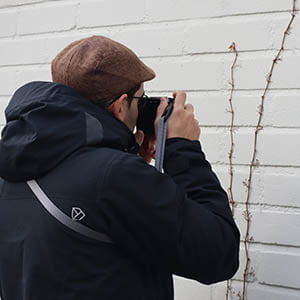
(46, 19)
(186, 42)
(114, 12)
(11, 3)
(8, 24)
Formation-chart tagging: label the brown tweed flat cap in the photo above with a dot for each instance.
(99, 68)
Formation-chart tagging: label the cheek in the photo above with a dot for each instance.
(136, 111)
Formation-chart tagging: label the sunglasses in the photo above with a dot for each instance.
(106, 104)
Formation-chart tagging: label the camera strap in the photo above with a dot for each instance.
(63, 218)
(162, 134)
(160, 143)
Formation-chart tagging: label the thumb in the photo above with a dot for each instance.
(139, 137)
(161, 108)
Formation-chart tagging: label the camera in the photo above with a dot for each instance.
(147, 108)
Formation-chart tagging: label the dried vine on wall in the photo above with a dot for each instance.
(254, 161)
(232, 83)
(230, 194)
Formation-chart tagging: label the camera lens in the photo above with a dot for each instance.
(147, 108)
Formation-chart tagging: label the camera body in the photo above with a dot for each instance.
(147, 109)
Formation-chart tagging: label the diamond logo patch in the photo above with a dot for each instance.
(77, 214)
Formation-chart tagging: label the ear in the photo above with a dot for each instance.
(118, 108)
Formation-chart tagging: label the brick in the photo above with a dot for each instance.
(281, 109)
(280, 269)
(212, 109)
(293, 39)
(18, 52)
(254, 264)
(274, 194)
(33, 50)
(7, 24)
(153, 40)
(49, 19)
(186, 74)
(218, 290)
(156, 40)
(283, 76)
(272, 145)
(189, 289)
(7, 3)
(258, 32)
(271, 226)
(182, 9)
(254, 291)
(253, 69)
(33, 74)
(266, 293)
(248, 32)
(3, 104)
(8, 81)
(273, 267)
(210, 143)
(238, 189)
(43, 50)
(231, 7)
(109, 12)
(13, 78)
(279, 25)
(266, 187)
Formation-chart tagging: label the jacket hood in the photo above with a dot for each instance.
(46, 122)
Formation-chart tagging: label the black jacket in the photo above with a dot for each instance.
(178, 222)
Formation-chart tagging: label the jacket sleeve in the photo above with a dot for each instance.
(179, 221)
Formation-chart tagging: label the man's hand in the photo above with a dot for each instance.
(181, 123)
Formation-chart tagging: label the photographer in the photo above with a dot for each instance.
(114, 227)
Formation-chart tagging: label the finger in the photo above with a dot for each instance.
(139, 137)
(189, 107)
(161, 108)
(180, 98)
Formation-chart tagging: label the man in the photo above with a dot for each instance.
(74, 136)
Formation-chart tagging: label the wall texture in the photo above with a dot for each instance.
(186, 42)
